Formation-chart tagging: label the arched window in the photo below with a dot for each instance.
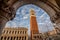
(11, 38)
(3, 32)
(35, 37)
(38, 36)
(25, 37)
(22, 38)
(15, 32)
(20, 32)
(25, 32)
(12, 32)
(9, 32)
(14, 38)
(2, 38)
(19, 38)
(8, 38)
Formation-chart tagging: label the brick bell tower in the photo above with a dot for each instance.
(33, 23)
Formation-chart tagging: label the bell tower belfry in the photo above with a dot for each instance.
(33, 23)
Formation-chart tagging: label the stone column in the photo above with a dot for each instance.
(18, 38)
(12, 38)
(21, 38)
(3, 22)
(6, 38)
(26, 37)
(9, 38)
(2, 39)
(15, 38)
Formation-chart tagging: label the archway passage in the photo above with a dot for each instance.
(9, 8)
(22, 18)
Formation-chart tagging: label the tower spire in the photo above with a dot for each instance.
(33, 23)
(32, 12)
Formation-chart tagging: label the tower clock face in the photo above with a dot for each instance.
(22, 18)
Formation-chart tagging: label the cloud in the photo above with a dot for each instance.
(45, 27)
(23, 12)
(14, 24)
(40, 23)
(11, 24)
(42, 16)
(42, 28)
(25, 16)
(21, 24)
(16, 18)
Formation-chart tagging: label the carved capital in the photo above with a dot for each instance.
(6, 11)
(56, 19)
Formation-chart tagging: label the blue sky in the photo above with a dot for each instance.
(22, 18)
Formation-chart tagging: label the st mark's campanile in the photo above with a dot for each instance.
(33, 23)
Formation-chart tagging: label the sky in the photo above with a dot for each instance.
(22, 18)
